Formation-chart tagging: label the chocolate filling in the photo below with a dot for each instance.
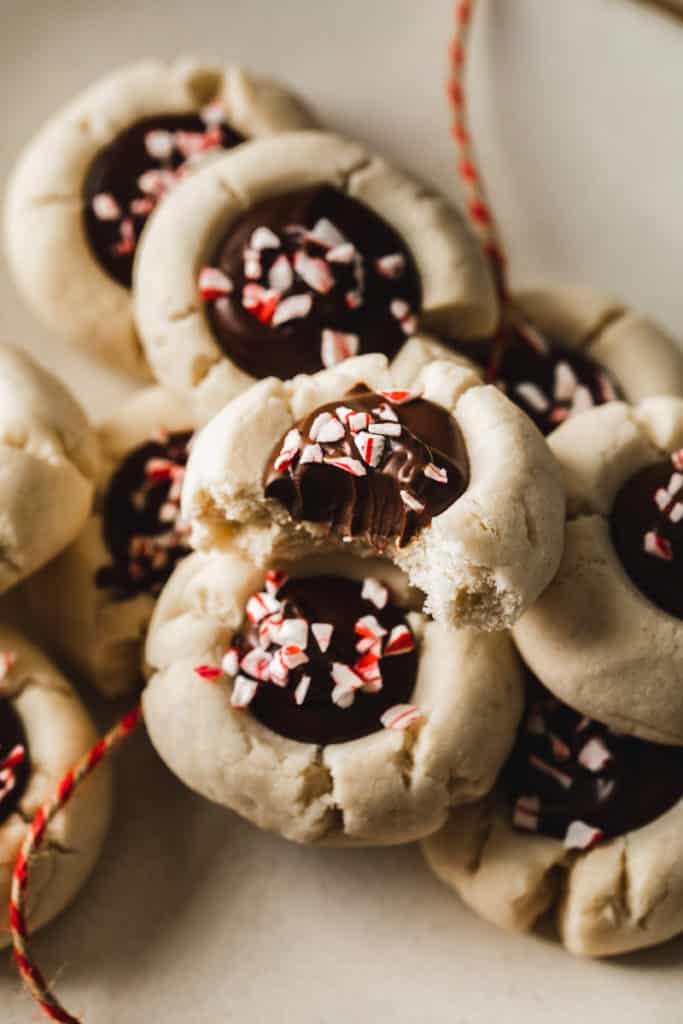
(647, 532)
(142, 525)
(386, 487)
(160, 148)
(337, 602)
(12, 735)
(579, 770)
(356, 284)
(549, 381)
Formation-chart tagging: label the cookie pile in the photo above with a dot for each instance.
(391, 562)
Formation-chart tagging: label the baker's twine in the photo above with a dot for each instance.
(30, 972)
(477, 203)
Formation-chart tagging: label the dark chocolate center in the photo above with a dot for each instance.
(567, 768)
(381, 475)
(337, 602)
(142, 525)
(132, 173)
(549, 381)
(13, 777)
(316, 276)
(647, 531)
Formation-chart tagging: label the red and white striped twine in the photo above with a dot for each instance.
(30, 972)
(477, 204)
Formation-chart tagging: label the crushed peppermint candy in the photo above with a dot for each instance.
(401, 716)
(581, 836)
(374, 590)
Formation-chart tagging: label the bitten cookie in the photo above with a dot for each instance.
(48, 461)
(450, 480)
(294, 253)
(44, 730)
(310, 699)
(566, 350)
(93, 603)
(584, 821)
(83, 189)
(606, 636)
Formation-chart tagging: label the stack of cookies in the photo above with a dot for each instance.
(395, 563)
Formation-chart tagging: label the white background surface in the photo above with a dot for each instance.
(192, 915)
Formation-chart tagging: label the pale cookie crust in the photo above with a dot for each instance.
(388, 787)
(48, 461)
(58, 731)
(100, 638)
(458, 298)
(46, 244)
(593, 638)
(625, 894)
(482, 562)
(643, 358)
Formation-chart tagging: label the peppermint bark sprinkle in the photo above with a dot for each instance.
(376, 466)
(132, 174)
(313, 660)
(14, 760)
(143, 528)
(549, 381)
(308, 279)
(647, 532)
(573, 778)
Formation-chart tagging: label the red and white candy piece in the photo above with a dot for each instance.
(281, 276)
(594, 755)
(326, 234)
(677, 458)
(243, 692)
(402, 312)
(411, 502)
(263, 238)
(330, 431)
(400, 716)
(583, 400)
(291, 446)
(533, 396)
(580, 836)
(525, 813)
(261, 604)
(105, 206)
(368, 626)
(293, 631)
(565, 382)
(400, 396)
(375, 591)
(275, 580)
(213, 283)
(256, 663)
(8, 660)
(386, 429)
(213, 113)
(318, 423)
(676, 513)
(434, 472)
(156, 182)
(392, 265)
(343, 253)
(660, 547)
(314, 272)
(294, 307)
(367, 667)
(354, 420)
(336, 346)
(268, 629)
(231, 661)
(291, 656)
(311, 453)
(159, 144)
(352, 466)
(385, 412)
(346, 683)
(322, 631)
(301, 690)
(401, 641)
(370, 447)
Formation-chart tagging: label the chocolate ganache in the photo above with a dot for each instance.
(305, 279)
(549, 381)
(647, 531)
(142, 524)
(323, 657)
(14, 760)
(377, 466)
(573, 778)
(132, 173)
